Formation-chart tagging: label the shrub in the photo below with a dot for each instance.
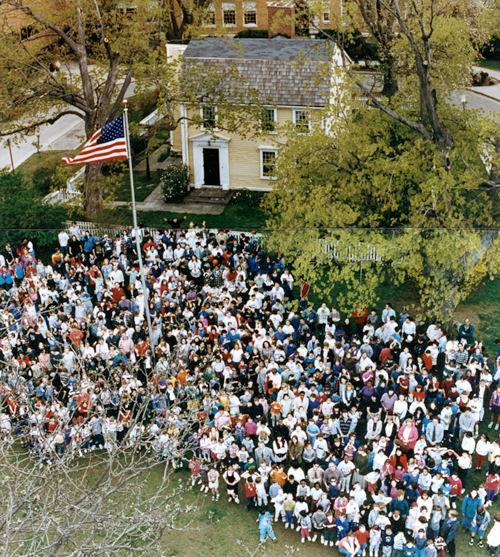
(24, 214)
(138, 143)
(253, 34)
(164, 156)
(247, 198)
(175, 180)
(491, 50)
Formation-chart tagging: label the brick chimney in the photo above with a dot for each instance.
(281, 19)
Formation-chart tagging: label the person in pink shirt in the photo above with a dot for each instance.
(408, 435)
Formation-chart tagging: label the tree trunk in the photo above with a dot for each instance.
(390, 79)
(93, 193)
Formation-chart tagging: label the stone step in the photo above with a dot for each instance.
(214, 196)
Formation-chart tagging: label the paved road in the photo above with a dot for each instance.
(478, 101)
(66, 133)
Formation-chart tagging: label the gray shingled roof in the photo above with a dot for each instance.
(270, 66)
(278, 48)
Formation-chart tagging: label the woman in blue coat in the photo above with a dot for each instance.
(469, 507)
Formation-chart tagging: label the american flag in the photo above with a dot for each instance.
(107, 144)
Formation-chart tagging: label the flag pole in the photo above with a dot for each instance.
(145, 291)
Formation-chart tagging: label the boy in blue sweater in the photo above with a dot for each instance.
(342, 527)
(409, 550)
(387, 542)
(420, 543)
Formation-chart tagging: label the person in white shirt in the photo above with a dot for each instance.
(63, 241)
(323, 313)
(434, 332)
(116, 275)
(346, 467)
(365, 362)
(463, 386)
(409, 327)
(74, 230)
(468, 443)
(401, 407)
(288, 328)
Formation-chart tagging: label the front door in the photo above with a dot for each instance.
(211, 167)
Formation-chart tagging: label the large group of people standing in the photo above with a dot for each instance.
(360, 431)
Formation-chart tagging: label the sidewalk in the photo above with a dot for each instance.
(153, 160)
(491, 92)
(154, 202)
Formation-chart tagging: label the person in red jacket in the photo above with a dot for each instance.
(492, 483)
(362, 535)
(456, 489)
(360, 316)
(250, 492)
(427, 359)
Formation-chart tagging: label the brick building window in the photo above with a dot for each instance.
(229, 14)
(250, 13)
(210, 16)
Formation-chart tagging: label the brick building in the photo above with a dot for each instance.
(276, 17)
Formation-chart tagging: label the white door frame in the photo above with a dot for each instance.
(210, 141)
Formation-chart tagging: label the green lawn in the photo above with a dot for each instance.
(219, 526)
(489, 64)
(142, 186)
(483, 307)
(43, 159)
(239, 216)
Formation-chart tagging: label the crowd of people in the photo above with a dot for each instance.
(358, 431)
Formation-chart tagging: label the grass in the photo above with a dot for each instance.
(142, 186)
(220, 527)
(237, 216)
(489, 64)
(43, 159)
(482, 308)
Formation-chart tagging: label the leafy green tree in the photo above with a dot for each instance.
(370, 200)
(22, 206)
(81, 58)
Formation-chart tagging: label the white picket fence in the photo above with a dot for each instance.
(99, 230)
(354, 253)
(69, 195)
(359, 252)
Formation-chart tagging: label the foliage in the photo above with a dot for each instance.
(111, 44)
(355, 43)
(162, 157)
(253, 34)
(21, 206)
(335, 191)
(491, 50)
(249, 198)
(175, 180)
(50, 178)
